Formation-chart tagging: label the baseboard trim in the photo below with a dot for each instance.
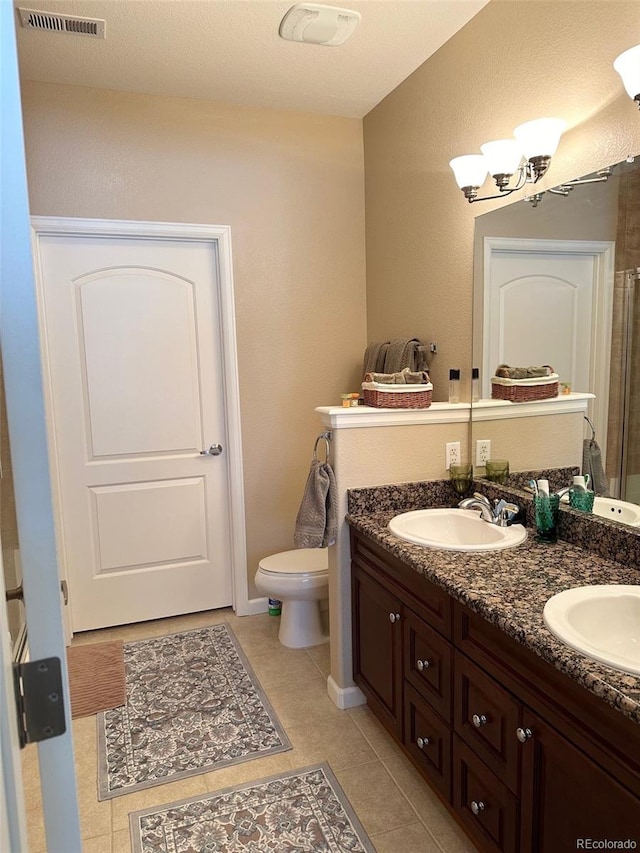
(254, 606)
(345, 697)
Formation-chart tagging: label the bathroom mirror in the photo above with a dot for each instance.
(581, 240)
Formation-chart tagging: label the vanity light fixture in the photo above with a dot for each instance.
(535, 141)
(628, 67)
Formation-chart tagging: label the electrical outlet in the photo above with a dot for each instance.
(452, 449)
(483, 452)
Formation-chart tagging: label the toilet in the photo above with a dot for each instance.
(300, 580)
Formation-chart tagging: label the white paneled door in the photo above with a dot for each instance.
(133, 346)
(550, 302)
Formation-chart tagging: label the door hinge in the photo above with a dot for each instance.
(39, 700)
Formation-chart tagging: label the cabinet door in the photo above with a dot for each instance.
(428, 663)
(567, 797)
(377, 648)
(485, 806)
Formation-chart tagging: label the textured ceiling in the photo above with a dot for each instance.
(230, 51)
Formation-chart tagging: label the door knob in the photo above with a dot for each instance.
(214, 450)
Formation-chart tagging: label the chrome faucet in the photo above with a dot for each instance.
(502, 513)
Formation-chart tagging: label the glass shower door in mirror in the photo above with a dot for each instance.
(9, 537)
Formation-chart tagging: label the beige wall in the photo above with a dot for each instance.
(290, 185)
(514, 61)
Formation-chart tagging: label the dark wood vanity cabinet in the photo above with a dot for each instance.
(527, 759)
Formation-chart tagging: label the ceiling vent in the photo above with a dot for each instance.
(317, 24)
(32, 20)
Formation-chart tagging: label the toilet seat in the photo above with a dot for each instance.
(303, 562)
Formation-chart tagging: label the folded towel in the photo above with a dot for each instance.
(507, 372)
(404, 377)
(317, 520)
(404, 352)
(374, 357)
(592, 465)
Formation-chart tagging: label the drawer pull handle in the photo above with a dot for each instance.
(477, 807)
(422, 664)
(523, 735)
(479, 720)
(394, 617)
(422, 742)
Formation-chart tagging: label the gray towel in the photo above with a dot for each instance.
(374, 357)
(317, 520)
(404, 352)
(592, 465)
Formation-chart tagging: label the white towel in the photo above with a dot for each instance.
(317, 520)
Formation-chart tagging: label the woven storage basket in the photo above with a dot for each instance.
(397, 396)
(524, 390)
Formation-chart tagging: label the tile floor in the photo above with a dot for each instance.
(394, 804)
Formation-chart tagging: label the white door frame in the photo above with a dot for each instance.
(48, 226)
(603, 252)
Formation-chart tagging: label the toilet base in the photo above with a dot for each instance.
(301, 625)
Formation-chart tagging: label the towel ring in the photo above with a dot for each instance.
(324, 436)
(593, 429)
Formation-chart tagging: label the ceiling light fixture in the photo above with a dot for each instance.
(628, 67)
(315, 23)
(535, 141)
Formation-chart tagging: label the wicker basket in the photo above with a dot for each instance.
(524, 390)
(397, 396)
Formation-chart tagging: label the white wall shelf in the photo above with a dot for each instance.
(356, 417)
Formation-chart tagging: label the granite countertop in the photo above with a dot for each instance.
(510, 588)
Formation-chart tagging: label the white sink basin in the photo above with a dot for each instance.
(455, 530)
(602, 622)
(617, 510)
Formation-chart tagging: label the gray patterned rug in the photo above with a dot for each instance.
(296, 812)
(193, 705)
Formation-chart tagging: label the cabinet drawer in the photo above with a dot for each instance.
(486, 807)
(428, 663)
(428, 740)
(486, 716)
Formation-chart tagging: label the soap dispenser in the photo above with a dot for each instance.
(454, 386)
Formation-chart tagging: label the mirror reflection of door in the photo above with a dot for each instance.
(9, 536)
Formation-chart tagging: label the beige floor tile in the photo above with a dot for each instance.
(431, 811)
(376, 798)
(321, 656)
(279, 666)
(98, 844)
(256, 633)
(248, 771)
(121, 841)
(30, 766)
(378, 737)
(157, 796)
(300, 704)
(337, 741)
(95, 817)
(414, 838)
(35, 818)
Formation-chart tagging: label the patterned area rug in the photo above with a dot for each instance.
(303, 811)
(193, 704)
